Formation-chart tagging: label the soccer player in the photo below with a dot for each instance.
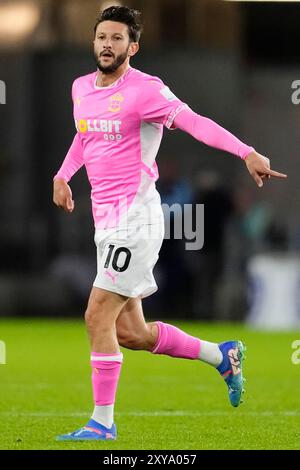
(119, 115)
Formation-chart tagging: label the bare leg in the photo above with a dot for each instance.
(132, 330)
(102, 312)
(134, 333)
(101, 315)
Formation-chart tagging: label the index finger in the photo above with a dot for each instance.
(276, 174)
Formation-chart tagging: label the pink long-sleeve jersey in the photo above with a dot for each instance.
(119, 131)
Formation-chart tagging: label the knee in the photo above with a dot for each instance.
(95, 315)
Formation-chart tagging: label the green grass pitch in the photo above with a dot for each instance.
(162, 403)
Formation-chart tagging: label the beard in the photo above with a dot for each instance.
(108, 69)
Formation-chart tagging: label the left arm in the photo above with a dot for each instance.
(207, 131)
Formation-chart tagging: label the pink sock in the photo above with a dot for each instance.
(174, 342)
(105, 377)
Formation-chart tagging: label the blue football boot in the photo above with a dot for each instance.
(231, 369)
(93, 431)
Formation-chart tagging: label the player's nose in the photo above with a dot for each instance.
(107, 43)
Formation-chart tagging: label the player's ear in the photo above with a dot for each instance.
(133, 48)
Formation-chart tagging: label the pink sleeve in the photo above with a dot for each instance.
(157, 103)
(73, 161)
(210, 133)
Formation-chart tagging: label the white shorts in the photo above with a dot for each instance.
(126, 258)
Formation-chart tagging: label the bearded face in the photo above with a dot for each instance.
(111, 46)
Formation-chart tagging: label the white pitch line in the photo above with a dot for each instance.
(15, 414)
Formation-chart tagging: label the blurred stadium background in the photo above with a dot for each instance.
(232, 61)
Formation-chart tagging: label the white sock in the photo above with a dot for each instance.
(104, 415)
(210, 353)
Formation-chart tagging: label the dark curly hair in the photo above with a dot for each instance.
(125, 15)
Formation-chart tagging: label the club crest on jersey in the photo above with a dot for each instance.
(115, 103)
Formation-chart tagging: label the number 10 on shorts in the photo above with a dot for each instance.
(119, 259)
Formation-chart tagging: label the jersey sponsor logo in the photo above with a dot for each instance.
(166, 92)
(111, 129)
(115, 103)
